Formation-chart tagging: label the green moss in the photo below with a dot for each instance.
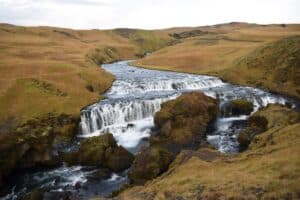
(259, 122)
(149, 163)
(101, 151)
(184, 118)
(241, 107)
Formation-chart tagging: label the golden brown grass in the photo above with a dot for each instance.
(268, 170)
(64, 60)
(219, 49)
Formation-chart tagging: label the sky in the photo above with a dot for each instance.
(146, 14)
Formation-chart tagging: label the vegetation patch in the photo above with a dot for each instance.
(47, 87)
(188, 34)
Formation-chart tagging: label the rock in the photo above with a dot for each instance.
(240, 107)
(258, 121)
(118, 159)
(35, 195)
(31, 143)
(182, 120)
(181, 123)
(77, 185)
(101, 151)
(100, 174)
(256, 124)
(149, 163)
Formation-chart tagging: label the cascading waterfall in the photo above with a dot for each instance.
(101, 116)
(138, 93)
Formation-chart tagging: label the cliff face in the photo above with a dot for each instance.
(268, 169)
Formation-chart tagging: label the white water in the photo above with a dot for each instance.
(138, 93)
(132, 101)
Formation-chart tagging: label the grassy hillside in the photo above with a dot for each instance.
(262, 172)
(215, 49)
(275, 66)
(56, 70)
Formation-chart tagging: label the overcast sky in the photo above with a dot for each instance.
(149, 14)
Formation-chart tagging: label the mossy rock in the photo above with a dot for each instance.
(181, 120)
(258, 121)
(256, 125)
(241, 107)
(118, 159)
(244, 140)
(149, 163)
(100, 151)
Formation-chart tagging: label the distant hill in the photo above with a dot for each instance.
(248, 54)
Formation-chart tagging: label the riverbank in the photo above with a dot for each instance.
(249, 55)
(263, 171)
(48, 75)
(51, 70)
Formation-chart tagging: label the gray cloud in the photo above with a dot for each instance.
(81, 2)
(88, 14)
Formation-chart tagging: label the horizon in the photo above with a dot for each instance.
(166, 28)
(149, 15)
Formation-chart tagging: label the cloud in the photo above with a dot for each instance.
(88, 14)
(81, 2)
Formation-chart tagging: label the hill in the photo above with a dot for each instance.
(264, 171)
(222, 50)
(54, 70)
(275, 66)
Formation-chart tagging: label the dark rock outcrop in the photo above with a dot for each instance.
(180, 124)
(31, 144)
(238, 107)
(101, 151)
(150, 163)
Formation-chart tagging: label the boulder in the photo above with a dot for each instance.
(184, 119)
(101, 151)
(240, 107)
(180, 124)
(149, 163)
(256, 124)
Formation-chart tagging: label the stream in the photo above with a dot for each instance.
(127, 113)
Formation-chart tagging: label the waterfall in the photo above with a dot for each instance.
(101, 116)
(138, 93)
(127, 87)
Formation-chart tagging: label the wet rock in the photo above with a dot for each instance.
(77, 186)
(101, 151)
(149, 163)
(240, 107)
(130, 125)
(35, 195)
(31, 144)
(100, 174)
(255, 125)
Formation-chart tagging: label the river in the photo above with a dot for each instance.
(127, 113)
